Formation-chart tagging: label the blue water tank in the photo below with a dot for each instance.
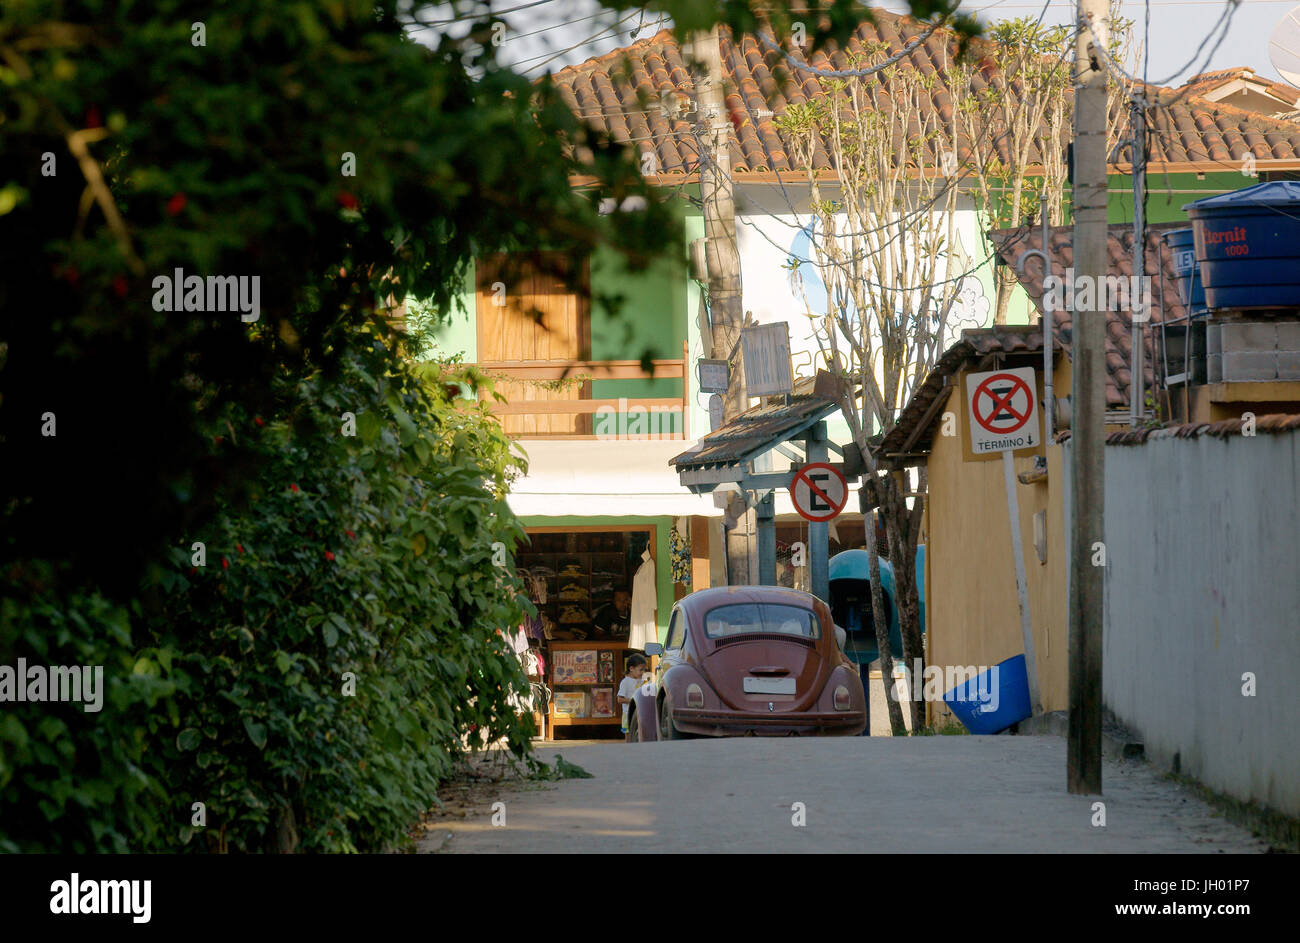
(1182, 244)
(1248, 246)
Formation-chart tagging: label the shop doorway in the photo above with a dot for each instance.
(583, 582)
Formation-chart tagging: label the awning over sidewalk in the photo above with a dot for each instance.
(594, 478)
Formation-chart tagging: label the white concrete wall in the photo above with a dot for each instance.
(1203, 586)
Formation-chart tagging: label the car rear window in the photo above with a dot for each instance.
(761, 619)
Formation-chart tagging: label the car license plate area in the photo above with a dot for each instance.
(769, 685)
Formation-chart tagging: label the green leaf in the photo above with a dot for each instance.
(188, 739)
(256, 732)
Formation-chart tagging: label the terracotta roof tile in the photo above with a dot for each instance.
(1271, 424)
(1207, 82)
(1165, 301)
(604, 91)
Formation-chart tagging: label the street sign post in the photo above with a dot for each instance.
(1003, 414)
(819, 491)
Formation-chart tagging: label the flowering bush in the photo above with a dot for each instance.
(312, 688)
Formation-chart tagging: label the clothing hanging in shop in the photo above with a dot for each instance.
(535, 590)
(679, 552)
(643, 605)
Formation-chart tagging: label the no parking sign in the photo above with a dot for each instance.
(1003, 410)
(819, 491)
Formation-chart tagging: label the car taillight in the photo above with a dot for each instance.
(842, 702)
(694, 696)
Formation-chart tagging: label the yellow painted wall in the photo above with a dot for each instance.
(971, 606)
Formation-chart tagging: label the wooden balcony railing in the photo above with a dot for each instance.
(567, 411)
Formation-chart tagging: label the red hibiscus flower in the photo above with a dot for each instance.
(225, 564)
(293, 487)
(176, 203)
(119, 286)
(347, 200)
(329, 555)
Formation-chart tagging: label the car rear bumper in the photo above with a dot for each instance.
(719, 723)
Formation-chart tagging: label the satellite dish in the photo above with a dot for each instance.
(1284, 47)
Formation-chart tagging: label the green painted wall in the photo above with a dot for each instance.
(1167, 194)
(650, 318)
(459, 335)
(647, 315)
(663, 570)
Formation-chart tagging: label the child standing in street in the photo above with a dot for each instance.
(636, 666)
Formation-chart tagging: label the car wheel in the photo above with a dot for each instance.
(667, 729)
(633, 727)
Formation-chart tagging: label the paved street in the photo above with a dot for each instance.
(924, 794)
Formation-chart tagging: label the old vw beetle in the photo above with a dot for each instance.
(750, 661)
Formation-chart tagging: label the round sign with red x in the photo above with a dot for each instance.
(1003, 403)
(1003, 410)
(819, 491)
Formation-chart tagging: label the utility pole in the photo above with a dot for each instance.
(1087, 583)
(1138, 165)
(726, 313)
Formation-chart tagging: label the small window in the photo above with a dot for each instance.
(761, 619)
(676, 630)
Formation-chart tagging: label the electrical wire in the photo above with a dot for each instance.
(853, 73)
(549, 57)
(1225, 19)
(470, 17)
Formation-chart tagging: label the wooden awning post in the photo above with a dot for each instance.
(766, 516)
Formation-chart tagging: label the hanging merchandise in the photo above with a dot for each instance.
(535, 589)
(643, 605)
(679, 555)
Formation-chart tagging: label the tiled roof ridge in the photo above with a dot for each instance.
(1187, 128)
(1182, 95)
(664, 35)
(1209, 81)
(1216, 75)
(1272, 424)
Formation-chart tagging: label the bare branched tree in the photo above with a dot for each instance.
(885, 243)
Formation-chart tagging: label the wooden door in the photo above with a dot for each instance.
(526, 311)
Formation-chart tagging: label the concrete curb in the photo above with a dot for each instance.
(1116, 742)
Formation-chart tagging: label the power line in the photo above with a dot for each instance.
(852, 73)
(544, 29)
(551, 57)
(486, 14)
(1225, 20)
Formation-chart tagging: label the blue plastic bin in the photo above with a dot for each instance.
(968, 701)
